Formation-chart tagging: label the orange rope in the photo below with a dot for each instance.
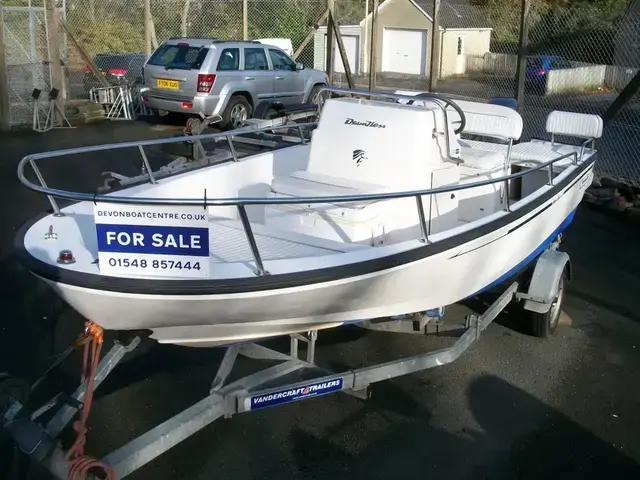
(79, 463)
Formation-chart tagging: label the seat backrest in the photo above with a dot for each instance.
(375, 142)
(489, 120)
(484, 119)
(571, 124)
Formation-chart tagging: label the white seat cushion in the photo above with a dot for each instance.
(481, 159)
(541, 152)
(572, 124)
(481, 118)
(484, 146)
(535, 150)
(307, 184)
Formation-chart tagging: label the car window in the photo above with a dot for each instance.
(229, 59)
(255, 59)
(181, 56)
(281, 61)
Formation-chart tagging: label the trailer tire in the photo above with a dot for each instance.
(544, 325)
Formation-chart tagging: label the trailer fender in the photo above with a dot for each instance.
(543, 287)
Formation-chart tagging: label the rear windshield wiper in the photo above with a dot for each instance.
(178, 67)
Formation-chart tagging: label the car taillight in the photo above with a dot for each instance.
(118, 72)
(205, 83)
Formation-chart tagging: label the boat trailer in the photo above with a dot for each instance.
(269, 386)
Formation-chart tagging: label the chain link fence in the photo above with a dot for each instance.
(112, 31)
(27, 57)
(579, 57)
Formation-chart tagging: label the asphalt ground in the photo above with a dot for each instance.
(512, 407)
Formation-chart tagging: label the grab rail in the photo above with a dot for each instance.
(242, 202)
(207, 201)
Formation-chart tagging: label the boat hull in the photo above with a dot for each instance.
(445, 277)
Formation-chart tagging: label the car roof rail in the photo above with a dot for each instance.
(236, 41)
(194, 38)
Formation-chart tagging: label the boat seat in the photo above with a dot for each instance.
(361, 222)
(579, 125)
(572, 124)
(484, 119)
(304, 183)
(536, 151)
(480, 159)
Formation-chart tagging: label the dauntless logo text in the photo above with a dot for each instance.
(367, 123)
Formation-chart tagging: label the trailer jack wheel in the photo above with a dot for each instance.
(545, 324)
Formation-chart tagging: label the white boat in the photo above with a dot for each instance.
(389, 209)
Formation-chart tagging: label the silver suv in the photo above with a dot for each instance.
(233, 79)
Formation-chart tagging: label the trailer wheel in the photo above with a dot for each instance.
(544, 324)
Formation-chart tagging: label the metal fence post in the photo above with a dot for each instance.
(329, 45)
(5, 106)
(147, 26)
(55, 64)
(522, 52)
(245, 19)
(434, 70)
(373, 39)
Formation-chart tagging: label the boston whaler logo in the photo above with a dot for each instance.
(359, 156)
(365, 123)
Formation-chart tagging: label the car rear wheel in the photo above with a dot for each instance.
(237, 112)
(314, 96)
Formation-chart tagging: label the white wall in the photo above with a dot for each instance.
(474, 42)
(575, 79)
(320, 51)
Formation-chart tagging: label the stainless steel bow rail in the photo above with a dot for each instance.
(241, 202)
(39, 439)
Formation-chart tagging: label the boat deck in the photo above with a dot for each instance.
(228, 243)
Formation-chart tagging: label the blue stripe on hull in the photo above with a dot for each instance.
(532, 256)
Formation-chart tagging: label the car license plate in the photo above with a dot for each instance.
(168, 84)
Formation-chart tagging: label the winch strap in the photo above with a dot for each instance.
(80, 464)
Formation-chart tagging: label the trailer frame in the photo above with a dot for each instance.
(269, 386)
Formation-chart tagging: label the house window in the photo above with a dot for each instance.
(459, 45)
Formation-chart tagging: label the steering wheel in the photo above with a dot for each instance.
(447, 102)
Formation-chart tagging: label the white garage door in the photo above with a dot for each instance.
(351, 46)
(404, 51)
